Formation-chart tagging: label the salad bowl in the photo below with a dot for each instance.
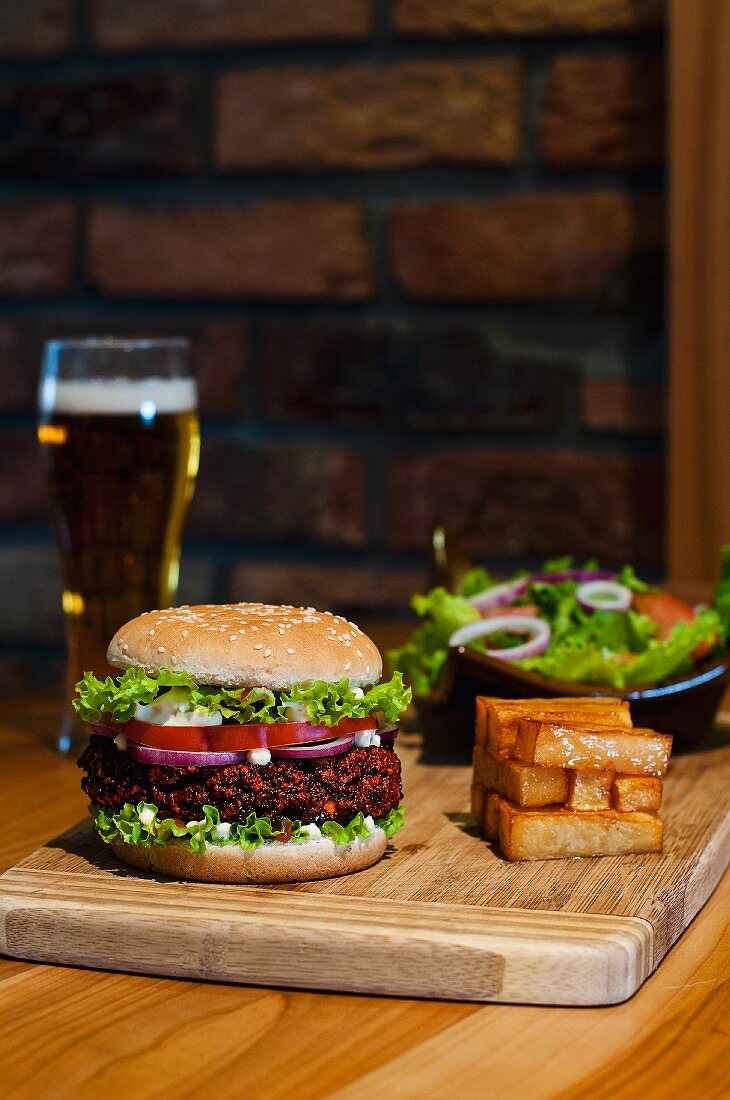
(578, 631)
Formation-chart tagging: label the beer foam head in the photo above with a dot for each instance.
(145, 397)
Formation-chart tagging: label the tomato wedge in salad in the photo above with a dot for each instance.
(231, 738)
(666, 611)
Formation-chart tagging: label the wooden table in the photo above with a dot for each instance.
(67, 1032)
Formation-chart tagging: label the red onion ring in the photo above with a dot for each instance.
(507, 624)
(501, 595)
(314, 751)
(181, 758)
(388, 734)
(105, 731)
(589, 596)
(579, 575)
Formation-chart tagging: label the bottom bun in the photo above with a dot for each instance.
(268, 864)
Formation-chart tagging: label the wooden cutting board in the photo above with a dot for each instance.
(442, 916)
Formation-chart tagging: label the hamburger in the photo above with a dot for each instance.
(243, 743)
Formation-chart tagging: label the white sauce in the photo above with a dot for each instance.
(222, 831)
(121, 742)
(173, 709)
(365, 738)
(261, 757)
(297, 712)
(313, 831)
(147, 817)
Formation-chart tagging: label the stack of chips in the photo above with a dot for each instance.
(567, 777)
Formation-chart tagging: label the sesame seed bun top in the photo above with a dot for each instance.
(248, 645)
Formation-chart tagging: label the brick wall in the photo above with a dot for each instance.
(417, 248)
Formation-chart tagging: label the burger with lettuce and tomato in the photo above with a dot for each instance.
(243, 743)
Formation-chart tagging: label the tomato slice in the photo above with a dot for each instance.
(234, 737)
(666, 611)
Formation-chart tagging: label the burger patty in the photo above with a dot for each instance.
(328, 789)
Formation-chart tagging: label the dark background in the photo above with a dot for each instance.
(417, 247)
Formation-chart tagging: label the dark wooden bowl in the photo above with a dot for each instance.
(685, 707)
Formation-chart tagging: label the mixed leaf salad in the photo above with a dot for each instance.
(579, 624)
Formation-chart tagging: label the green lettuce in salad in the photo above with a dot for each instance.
(142, 825)
(323, 703)
(620, 649)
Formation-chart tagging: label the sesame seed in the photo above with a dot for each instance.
(125, 646)
(160, 649)
(232, 637)
(348, 666)
(259, 645)
(151, 633)
(290, 650)
(267, 653)
(359, 652)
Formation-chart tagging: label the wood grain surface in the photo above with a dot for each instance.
(66, 1032)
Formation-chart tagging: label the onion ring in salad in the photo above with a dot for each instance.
(502, 595)
(604, 596)
(538, 630)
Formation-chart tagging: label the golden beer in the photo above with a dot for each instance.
(121, 458)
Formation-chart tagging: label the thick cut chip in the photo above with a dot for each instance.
(636, 792)
(555, 744)
(497, 719)
(559, 833)
(520, 783)
(589, 790)
(484, 702)
(491, 816)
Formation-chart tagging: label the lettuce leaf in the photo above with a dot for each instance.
(142, 825)
(324, 703)
(475, 581)
(628, 577)
(393, 821)
(721, 597)
(581, 657)
(421, 660)
(345, 834)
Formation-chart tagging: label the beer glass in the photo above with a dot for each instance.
(118, 428)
